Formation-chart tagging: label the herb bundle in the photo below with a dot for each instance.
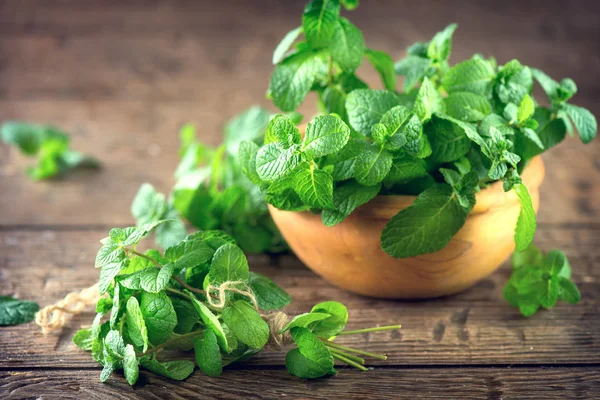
(453, 131)
(49, 144)
(200, 295)
(211, 192)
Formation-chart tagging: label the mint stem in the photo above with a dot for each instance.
(348, 356)
(165, 344)
(333, 345)
(349, 362)
(375, 329)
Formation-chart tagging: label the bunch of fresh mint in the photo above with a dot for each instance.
(452, 131)
(49, 144)
(200, 295)
(211, 191)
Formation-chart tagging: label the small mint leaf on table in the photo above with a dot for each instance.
(15, 312)
(312, 359)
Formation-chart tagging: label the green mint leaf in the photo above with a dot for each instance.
(110, 253)
(107, 274)
(208, 354)
(130, 365)
(349, 4)
(556, 263)
(448, 141)
(106, 372)
(178, 370)
(268, 294)
(550, 133)
(28, 138)
(135, 324)
(247, 159)
(347, 45)
(346, 198)
(211, 322)
(475, 75)
(343, 161)
(332, 325)
(549, 85)
(159, 316)
(334, 100)
(325, 134)
(314, 186)
(285, 44)
(365, 108)
(584, 121)
(187, 316)
(274, 161)
(470, 131)
(293, 77)
(548, 292)
(384, 65)
(526, 223)
(319, 22)
(526, 109)
(467, 106)
(405, 168)
(189, 253)
(283, 130)
(246, 324)
(151, 280)
(529, 257)
(305, 320)
(401, 126)
(428, 101)
(229, 264)
(14, 311)
(414, 69)
(426, 226)
(171, 232)
(286, 199)
(440, 46)
(247, 126)
(83, 339)
(372, 165)
(311, 359)
(568, 291)
(132, 235)
(513, 82)
(116, 308)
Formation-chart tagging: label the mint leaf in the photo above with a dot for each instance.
(584, 121)
(405, 168)
(107, 274)
(229, 264)
(526, 109)
(159, 316)
(332, 325)
(529, 257)
(130, 365)
(208, 355)
(526, 223)
(401, 126)
(325, 134)
(467, 106)
(305, 320)
(549, 85)
(513, 82)
(428, 101)
(285, 44)
(347, 45)
(283, 130)
(365, 108)
(414, 69)
(448, 141)
(246, 324)
(426, 226)
(211, 322)
(384, 65)
(346, 198)
(83, 339)
(28, 138)
(268, 295)
(249, 125)
(15, 312)
(475, 75)
(312, 359)
(440, 46)
(314, 186)
(372, 165)
(293, 77)
(178, 370)
(247, 159)
(136, 326)
(568, 291)
(274, 161)
(319, 22)
(349, 4)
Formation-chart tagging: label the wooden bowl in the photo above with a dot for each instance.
(349, 254)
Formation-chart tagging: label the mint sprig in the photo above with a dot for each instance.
(200, 295)
(49, 144)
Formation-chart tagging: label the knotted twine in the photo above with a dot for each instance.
(53, 318)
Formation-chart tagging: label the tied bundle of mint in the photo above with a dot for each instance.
(200, 295)
(453, 131)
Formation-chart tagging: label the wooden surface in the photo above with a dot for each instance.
(122, 76)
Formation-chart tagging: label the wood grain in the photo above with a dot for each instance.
(392, 383)
(472, 328)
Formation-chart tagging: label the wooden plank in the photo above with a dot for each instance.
(472, 328)
(463, 383)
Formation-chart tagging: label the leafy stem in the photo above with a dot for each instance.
(349, 361)
(375, 329)
(336, 346)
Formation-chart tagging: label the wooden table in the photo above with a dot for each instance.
(123, 76)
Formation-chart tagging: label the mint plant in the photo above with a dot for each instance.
(451, 132)
(211, 192)
(540, 281)
(49, 144)
(199, 295)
